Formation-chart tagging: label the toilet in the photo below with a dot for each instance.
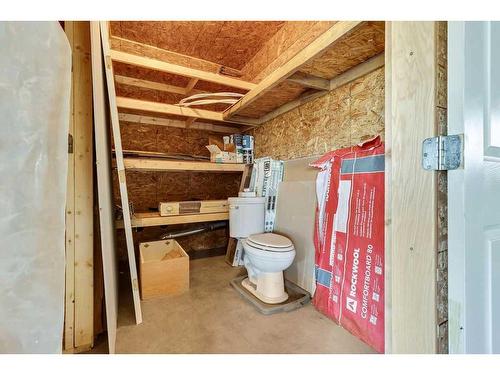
(265, 255)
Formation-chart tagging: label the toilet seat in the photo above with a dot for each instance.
(270, 242)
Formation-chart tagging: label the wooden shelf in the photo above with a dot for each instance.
(158, 164)
(152, 219)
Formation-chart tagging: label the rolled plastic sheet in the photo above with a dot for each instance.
(35, 86)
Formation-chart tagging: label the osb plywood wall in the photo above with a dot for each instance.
(348, 115)
(147, 189)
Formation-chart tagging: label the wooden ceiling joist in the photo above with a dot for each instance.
(171, 109)
(168, 109)
(310, 81)
(136, 82)
(196, 124)
(163, 66)
(321, 44)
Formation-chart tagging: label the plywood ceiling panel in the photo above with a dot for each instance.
(229, 43)
(355, 48)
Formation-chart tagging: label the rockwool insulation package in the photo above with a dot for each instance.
(349, 240)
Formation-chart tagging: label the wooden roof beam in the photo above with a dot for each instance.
(163, 66)
(310, 81)
(171, 109)
(160, 121)
(320, 45)
(168, 109)
(136, 82)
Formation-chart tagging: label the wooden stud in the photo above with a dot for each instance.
(310, 81)
(163, 66)
(314, 49)
(411, 191)
(69, 294)
(84, 203)
(139, 119)
(115, 124)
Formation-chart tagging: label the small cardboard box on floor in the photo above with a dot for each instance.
(163, 269)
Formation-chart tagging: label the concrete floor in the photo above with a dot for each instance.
(213, 318)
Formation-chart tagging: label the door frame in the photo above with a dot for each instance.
(415, 95)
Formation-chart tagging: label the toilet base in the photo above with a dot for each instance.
(297, 298)
(252, 288)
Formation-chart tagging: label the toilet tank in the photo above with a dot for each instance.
(246, 216)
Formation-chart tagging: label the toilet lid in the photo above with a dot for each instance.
(270, 242)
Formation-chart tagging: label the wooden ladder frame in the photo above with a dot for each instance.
(115, 125)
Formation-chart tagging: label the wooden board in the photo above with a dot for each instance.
(152, 219)
(411, 255)
(79, 318)
(105, 189)
(115, 124)
(192, 207)
(84, 209)
(69, 293)
(157, 164)
(198, 125)
(148, 106)
(163, 66)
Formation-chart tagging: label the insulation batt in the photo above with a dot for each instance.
(349, 240)
(35, 84)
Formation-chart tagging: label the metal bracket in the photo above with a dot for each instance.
(442, 153)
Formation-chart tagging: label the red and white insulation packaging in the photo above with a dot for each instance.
(349, 240)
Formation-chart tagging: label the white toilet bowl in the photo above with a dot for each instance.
(266, 256)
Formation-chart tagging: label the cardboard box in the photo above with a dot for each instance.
(193, 207)
(219, 156)
(163, 269)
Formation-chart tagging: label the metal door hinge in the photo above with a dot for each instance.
(442, 153)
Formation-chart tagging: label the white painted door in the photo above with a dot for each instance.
(474, 191)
